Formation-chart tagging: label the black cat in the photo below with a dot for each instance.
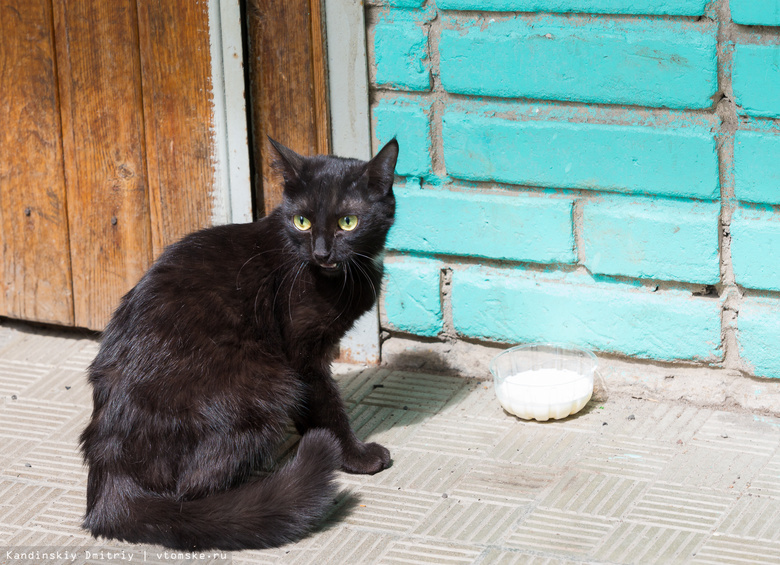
(228, 337)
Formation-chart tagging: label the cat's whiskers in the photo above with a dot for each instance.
(365, 273)
(292, 286)
(346, 272)
(238, 274)
(286, 266)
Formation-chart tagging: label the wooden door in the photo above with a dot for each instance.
(106, 151)
(287, 85)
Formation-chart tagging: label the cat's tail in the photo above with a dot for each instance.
(263, 513)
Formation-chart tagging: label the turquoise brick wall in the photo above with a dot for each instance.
(599, 172)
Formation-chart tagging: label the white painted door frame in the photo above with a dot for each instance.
(345, 32)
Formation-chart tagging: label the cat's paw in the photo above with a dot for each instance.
(366, 459)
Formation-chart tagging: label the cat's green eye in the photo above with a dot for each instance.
(348, 223)
(301, 222)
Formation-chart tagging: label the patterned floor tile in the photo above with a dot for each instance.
(629, 457)
(410, 391)
(423, 552)
(585, 492)
(390, 510)
(558, 532)
(503, 483)
(644, 544)
(682, 507)
(728, 550)
(461, 437)
(469, 521)
(755, 517)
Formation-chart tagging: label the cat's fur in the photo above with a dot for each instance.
(228, 337)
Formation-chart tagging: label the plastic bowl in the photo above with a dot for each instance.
(539, 382)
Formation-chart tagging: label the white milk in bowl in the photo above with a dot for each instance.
(541, 382)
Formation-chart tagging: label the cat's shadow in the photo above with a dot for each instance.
(405, 393)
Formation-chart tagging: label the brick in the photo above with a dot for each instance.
(755, 247)
(757, 167)
(404, 3)
(756, 80)
(517, 306)
(408, 121)
(755, 12)
(510, 227)
(656, 239)
(654, 7)
(401, 53)
(639, 62)
(758, 335)
(411, 295)
(680, 162)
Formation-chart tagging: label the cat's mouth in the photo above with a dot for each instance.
(330, 267)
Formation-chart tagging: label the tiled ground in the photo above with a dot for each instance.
(626, 481)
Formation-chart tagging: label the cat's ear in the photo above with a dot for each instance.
(286, 161)
(382, 168)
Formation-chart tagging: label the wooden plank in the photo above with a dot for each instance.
(284, 67)
(319, 77)
(103, 139)
(34, 255)
(178, 117)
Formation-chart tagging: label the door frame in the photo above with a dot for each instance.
(350, 127)
(232, 196)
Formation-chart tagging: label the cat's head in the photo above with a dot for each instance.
(337, 210)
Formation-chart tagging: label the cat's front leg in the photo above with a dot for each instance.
(323, 408)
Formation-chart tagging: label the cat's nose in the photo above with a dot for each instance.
(321, 251)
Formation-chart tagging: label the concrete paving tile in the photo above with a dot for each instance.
(62, 386)
(662, 422)
(476, 400)
(357, 383)
(754, 517)
(21, 503)
(471, 438)
(65, 516)
(32, 419)
(705, 465)
(17, 376)
(682, 507)
(389, 426)
(43, 347)
(628, 456)
(6, 533)
(503, 483)
(495, 556)
(732, 432)
(560, 533)
(540, 444)
(420, 392)
(729, 550)
(585, 492)
(346, 546)
(80, 357)
(644, 544)
(56, 464)
(767, 481)
(426, 551)
(469, 521)
(390, 510)
(15, 448)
